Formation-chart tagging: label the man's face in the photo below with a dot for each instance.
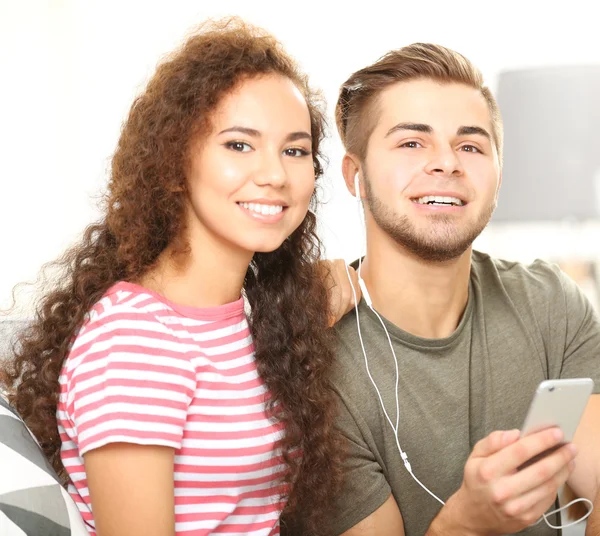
(431, 170)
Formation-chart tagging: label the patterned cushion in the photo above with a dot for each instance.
(32, 501)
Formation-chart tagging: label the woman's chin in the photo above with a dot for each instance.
(265, 246)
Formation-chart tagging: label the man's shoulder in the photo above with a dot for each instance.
(347, 325)
(539, 293)
(536, 270)
(538, 276)
(348, 343)
(349, 353)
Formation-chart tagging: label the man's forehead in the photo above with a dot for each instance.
(432, 103)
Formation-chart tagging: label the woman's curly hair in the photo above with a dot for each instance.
(144, 214)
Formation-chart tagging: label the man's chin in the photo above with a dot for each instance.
(442, 255)
(437, 249)
(436, 239)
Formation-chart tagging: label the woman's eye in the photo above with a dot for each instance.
(296, 151)
(239, 146)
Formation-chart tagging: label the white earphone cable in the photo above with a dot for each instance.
(403, 455)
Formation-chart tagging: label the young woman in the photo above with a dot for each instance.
(168, 411)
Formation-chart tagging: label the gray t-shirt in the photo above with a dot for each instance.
(522, 325)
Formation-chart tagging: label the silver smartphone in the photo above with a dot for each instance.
(558, 403)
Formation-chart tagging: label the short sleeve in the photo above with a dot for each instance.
(582, 337)
(364, 486)
(129, 382)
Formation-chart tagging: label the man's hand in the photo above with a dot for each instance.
(498, 498)
(341, 297)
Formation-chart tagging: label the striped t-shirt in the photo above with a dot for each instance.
(147, 371)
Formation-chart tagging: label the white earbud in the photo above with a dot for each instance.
(357, 188)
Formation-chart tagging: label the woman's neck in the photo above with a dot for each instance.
(209, 273)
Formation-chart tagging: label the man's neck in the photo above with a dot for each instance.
(423, 298)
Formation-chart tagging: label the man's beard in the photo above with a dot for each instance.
(443, 241)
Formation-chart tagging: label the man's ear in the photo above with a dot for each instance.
(350, 167)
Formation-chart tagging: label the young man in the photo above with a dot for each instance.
(473, 336)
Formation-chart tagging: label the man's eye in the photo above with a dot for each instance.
(470, 149)
(411, 144)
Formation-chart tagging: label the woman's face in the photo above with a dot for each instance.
(251, 180)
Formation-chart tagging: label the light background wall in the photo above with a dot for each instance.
(70, 70)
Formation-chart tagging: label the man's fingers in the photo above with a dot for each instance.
(514, 455)
(554, 467)
(494, 442)
(544, 469)
(530, 505)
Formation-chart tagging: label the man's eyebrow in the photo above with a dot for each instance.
(427, 129)
(416, 127)
(467, 131)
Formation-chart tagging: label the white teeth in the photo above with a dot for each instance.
(439, 200)
(266, 210)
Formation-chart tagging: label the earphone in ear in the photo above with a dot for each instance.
(357, 188)
(361, 283)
